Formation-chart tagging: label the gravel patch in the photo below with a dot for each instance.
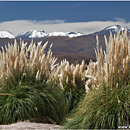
(29, 126)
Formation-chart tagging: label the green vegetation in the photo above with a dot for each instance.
(32, 100)
(102, 109)
(73, 94)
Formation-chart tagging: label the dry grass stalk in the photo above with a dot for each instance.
(114, 63)
(6, 94)
(64, 72)
(20, 59)
(16, 60)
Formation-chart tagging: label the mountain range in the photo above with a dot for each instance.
(70, 45)
(36, 34)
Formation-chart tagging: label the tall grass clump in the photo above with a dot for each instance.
(101, 109)
(20, 105)
(112, 65)
(107, 103)
(32, 102)
(71, 79)
(17, 61)
(26, 92)
(34, 86)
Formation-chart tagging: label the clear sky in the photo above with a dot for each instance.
(82, 16)
(69, 11)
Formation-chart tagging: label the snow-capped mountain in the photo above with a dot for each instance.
(40, 34)
(113, 29)
(6, 34)
(32, 34)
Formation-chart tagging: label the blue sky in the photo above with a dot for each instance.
(68, 11)
(85, 16)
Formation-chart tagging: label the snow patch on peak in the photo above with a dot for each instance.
(40, 34)
(32, 34)
(67, 34)
(6, 34)
(72, 34)
(57, 34)
(115, 28)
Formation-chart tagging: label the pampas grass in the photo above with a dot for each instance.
(64, 72)
(107, 103)
(113, 65)
(34, 68)
(18, 60)
(71, 79)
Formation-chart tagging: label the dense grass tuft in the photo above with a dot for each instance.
(74, 94)
(102, 109)
(21, 105)
(31, 100)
